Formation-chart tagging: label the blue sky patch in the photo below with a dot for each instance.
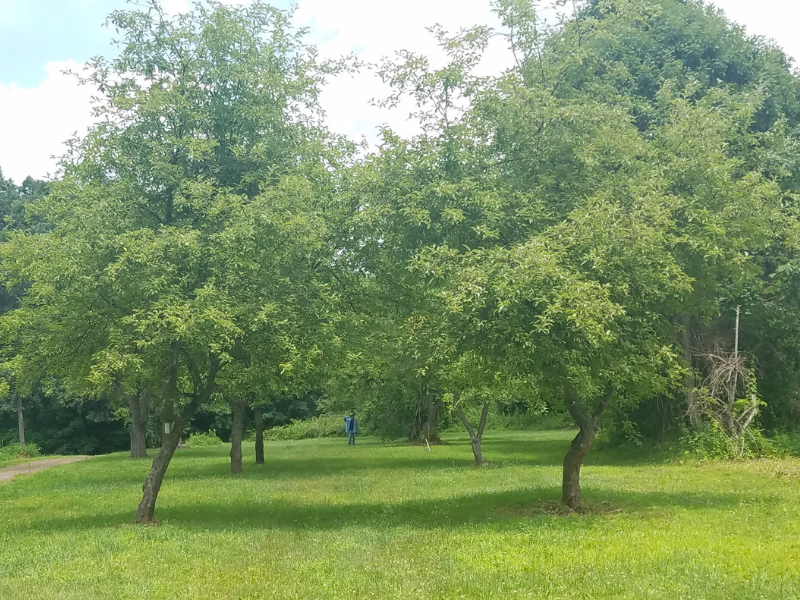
(36, 32)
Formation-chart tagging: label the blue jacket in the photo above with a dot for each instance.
(350, 425)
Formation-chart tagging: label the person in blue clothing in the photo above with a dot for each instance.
(351, 428)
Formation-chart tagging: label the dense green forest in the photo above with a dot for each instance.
(607, 231)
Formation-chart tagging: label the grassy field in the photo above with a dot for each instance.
(324, 520)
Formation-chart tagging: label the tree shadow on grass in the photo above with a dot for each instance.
(551, 453)
(201, 463)
(496, 509)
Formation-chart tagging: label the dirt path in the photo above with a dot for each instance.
(8, 473)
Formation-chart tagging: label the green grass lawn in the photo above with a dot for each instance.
(324, 520)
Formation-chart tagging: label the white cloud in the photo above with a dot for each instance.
(174, 7)
(773, 19)
(374, 30)
(34, 123)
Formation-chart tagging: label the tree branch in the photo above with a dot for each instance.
(462, 416)
(575, 408)
(482, 424)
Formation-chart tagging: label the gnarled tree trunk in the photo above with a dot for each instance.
(431, 430)
(169, 442)
(237, 430)
(259, 419)
(20, 421)
(140, 415)
(571, 478)
(152, 485)
(476, 438)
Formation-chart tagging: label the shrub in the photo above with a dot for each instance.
(317, 427)
(200, 440)
(787, 443)
(713, 443)
(15, 452)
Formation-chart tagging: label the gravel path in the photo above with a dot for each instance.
(8, 473)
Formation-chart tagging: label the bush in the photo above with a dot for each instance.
(15, 452)
(713, 443)
(200, 440)
(317, 427)
(787, 443)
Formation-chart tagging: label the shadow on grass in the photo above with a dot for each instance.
(201, 463)
(546, 453)
(533, 505)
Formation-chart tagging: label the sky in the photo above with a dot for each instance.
(41, 106)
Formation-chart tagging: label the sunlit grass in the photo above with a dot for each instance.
(324, 520)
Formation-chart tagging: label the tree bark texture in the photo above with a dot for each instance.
(140, 415)
(431, 430)
(259, 419)
(20, 421)
(237, 431)
(476, 437)
(152, 485)
(571, 478)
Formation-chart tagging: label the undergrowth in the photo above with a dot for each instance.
(13, 452)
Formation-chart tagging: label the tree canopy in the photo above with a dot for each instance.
(576, 232)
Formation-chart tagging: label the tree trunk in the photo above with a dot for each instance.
(571, 479)
(20, 421)
(476, 438)
(237, 429)
(431, 431)
(689, 381)
(259, 418)
(152, 485)
(477, 452)
(140, 415)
